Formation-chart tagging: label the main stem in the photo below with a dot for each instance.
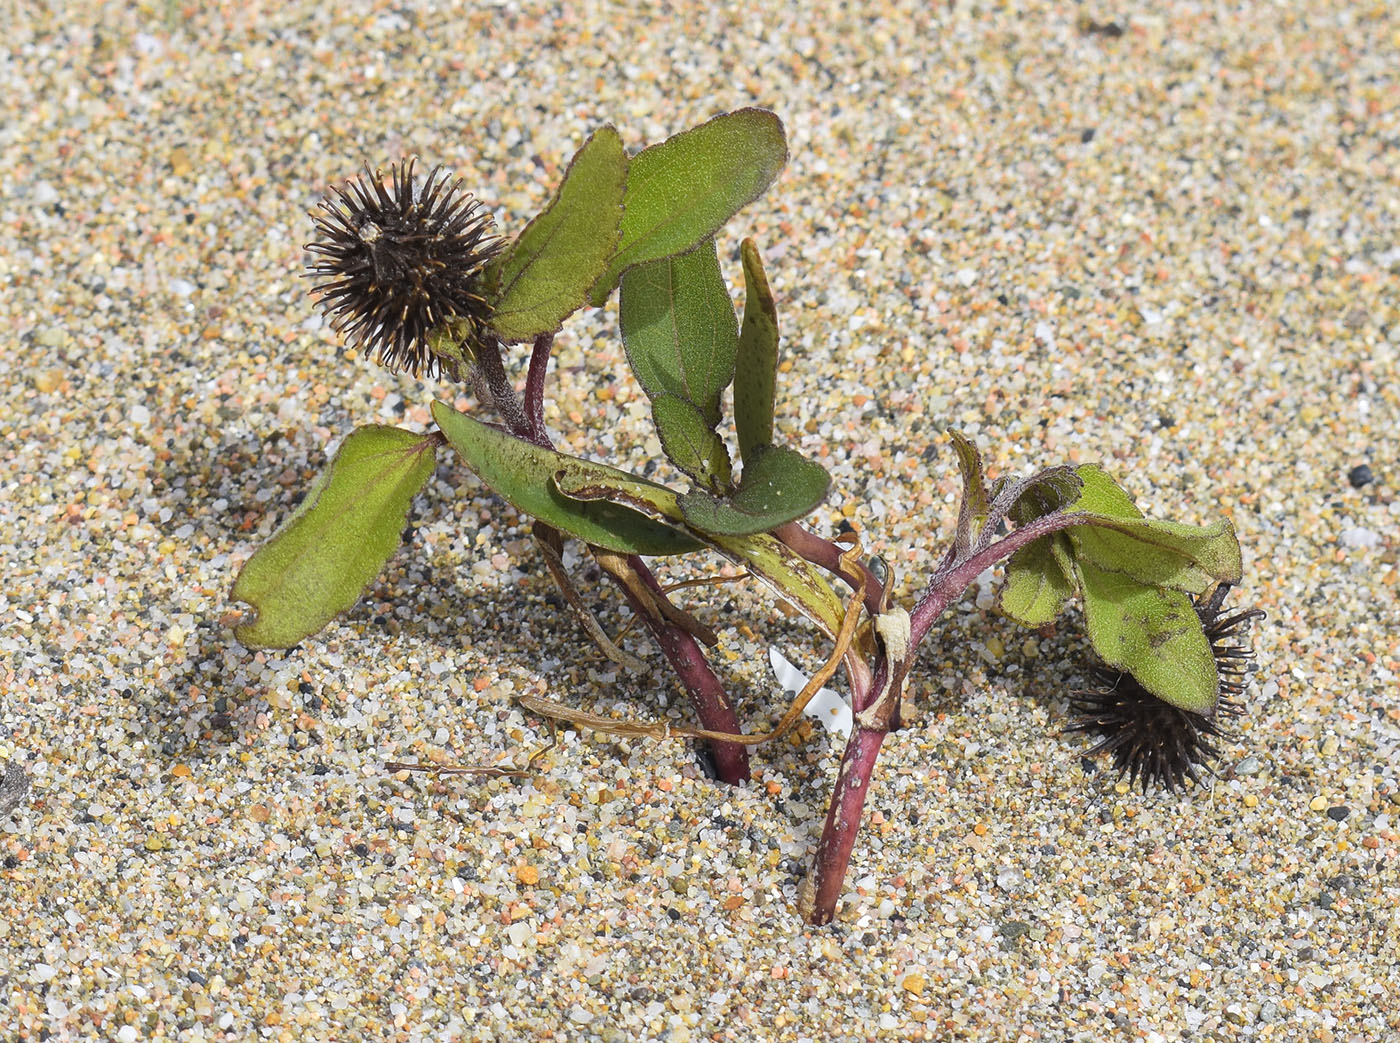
(707, 694)
(844, 813)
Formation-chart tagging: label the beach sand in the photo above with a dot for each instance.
(1162, 237)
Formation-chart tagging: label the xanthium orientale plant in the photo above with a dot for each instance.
(411, 271)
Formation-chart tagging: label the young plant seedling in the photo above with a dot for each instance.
(411, 271)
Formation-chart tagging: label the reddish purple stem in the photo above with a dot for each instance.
(706, 693)
(823, 552)
(534, 387)
(843, 816)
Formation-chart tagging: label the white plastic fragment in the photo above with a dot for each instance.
(826, 706)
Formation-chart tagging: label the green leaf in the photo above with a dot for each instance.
(1159, 553)
(756, 365)
(790, 576)
(690, 443)
(1039, 581)
(683, 190)
(1100, 494)
(526, 476)
(325, 554)
(779, 485)
(1162, 553)
(679, 329)
(1153, 634)
(546, 273)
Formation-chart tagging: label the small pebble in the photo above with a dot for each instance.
(1338, 812)
(1360, 475)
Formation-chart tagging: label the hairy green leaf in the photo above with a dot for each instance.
(316, 565)
(679, 329)
(683, 190)
(528, 477)
(779, 485)
(1039, 581)
(1153, 634)
(1159, 553)
(756, 365)
(1025, 499)
(546, 273)
(690, 443)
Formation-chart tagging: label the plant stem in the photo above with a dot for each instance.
(948, 583)
(706, 693)
(843, 816)
(534, 386)
(823, 552)
(493, 372)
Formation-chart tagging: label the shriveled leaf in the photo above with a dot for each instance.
(972, 512)
(525, 476)
(793, 578)
(679, 329)
(325, 554)
(683, 190)
(1153, 634)
(779, 485)
(546, 273)
(756, 365)
(690, 443)
(1025, 499)
(1039, 582)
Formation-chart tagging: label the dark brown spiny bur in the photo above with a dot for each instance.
(400, 267)
(1155, 743)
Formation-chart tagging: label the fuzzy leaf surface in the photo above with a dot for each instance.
(545, 275)
(1152, 633)
(689, 442)
(756, 364)
(1039, 581)
(683, 190)
(1160, 553)
(679, 329)
(528, 477)
(778, 485)
(324, 555)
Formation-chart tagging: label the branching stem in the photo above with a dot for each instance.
(823, 887)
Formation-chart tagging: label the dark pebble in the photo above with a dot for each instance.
(1360, 475)
(14, 784)
(196, 977)
(1087, 135)
(1338, 813)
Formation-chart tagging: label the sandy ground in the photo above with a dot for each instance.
(1159, 236)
